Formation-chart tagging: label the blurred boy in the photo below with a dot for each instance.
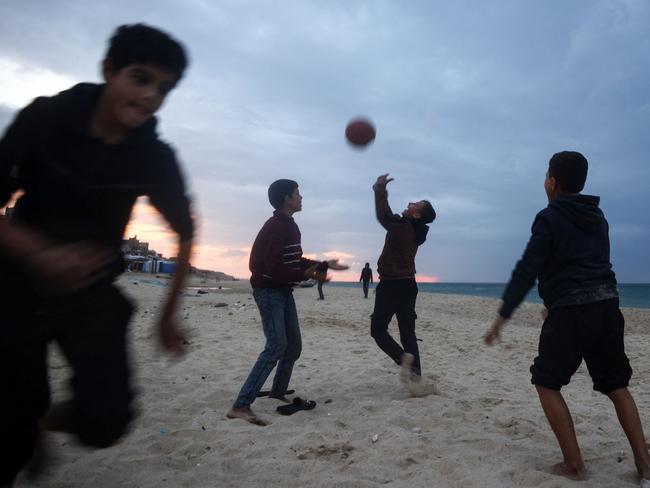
(397, 290)
(568, 253)
(277, 265)
(82, 158)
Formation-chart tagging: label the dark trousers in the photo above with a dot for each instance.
(320, 291)
(90, 330)
(396, 297)
(365, 288)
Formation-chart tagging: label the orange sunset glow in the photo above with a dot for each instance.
(149, 226)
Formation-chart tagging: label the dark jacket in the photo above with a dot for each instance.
(568, 253)
(403, 236)
(79, 188)
(366, 275)
(276, 257)
(76, 187)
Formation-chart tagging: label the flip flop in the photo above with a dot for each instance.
(298, 404)
(264, 393)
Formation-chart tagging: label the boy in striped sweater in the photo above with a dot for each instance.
(277, 265)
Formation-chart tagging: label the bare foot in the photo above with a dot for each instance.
(576, 473)
(405, 368)
(244, 413)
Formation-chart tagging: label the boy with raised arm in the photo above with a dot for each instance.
(397, 290)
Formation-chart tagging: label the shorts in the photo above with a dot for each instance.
(593, 332)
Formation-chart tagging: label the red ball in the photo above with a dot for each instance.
(360, 132)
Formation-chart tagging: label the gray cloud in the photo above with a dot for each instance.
(470, 101)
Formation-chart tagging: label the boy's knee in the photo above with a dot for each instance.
(375, 332)
(278, 350)
(378, 326)
(609, 388)
(102, 430)
(17, 441)
(293, 353)
(614, 377)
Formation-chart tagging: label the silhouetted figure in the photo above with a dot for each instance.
(320, 290)
(82, 158)
(568, 256)
(397, 290)
(366, 277)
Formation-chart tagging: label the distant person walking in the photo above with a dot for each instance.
(366, 277)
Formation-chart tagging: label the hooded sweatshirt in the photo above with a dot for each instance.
(76, 187)
(403, 236)
(568, 253)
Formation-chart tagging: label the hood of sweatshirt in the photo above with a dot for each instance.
(420, 230)
(582, 210)
(75, 106)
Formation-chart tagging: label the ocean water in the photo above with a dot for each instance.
(631, 294)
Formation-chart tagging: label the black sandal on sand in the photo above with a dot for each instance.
(264, 393)
(298, 404)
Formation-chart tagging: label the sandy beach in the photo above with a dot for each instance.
(483, 427)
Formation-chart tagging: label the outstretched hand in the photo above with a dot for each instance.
(171, 336)
(334, 264)
(312, 273)
(69, 267)
(383, 180)
(494, 334)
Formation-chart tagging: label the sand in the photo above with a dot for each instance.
(483, 427)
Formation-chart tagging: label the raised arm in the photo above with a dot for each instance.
(382, 209)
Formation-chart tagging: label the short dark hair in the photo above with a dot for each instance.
(427, 214)
(140, 43)
(569, 168)
(280, 189)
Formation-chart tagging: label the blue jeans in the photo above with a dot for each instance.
(283, 343)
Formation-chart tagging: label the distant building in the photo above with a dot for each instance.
(134, 247)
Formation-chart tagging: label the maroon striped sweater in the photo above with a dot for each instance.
(276, 258)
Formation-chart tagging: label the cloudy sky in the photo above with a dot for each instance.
(470, 99)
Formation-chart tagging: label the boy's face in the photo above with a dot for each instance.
(136, 92)
(294, 203)
(414, 210)
(550, 186)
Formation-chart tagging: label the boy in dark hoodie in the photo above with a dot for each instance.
(397, 290)
(81, 159)
(568, 253)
